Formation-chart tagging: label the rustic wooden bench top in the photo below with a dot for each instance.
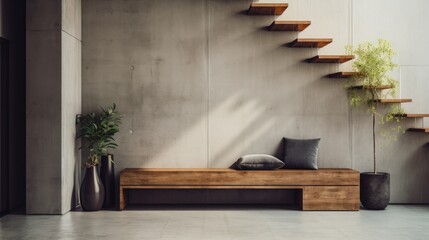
(230, 177)
(323, 189)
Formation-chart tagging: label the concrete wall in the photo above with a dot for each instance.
(71, 91)
(201, 83)
(53, 100)
(405, 159)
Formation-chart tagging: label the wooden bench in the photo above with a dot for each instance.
(323, 189)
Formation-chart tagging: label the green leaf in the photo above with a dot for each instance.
(97, 131)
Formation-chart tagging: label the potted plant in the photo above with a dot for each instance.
(109, 124)
(97, 132)
(371, 83)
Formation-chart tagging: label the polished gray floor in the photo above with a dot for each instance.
(397, 222)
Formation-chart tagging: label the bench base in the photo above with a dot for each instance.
(322, 189)
(312, 198)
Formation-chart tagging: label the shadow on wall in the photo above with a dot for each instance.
(404, 158)
(205, 85)
(78, 174)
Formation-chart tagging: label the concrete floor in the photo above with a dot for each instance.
(397, 222)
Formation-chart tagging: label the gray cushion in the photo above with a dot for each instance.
(258, 162)
(300, 153)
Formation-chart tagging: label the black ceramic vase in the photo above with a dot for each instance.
(91, 191)
(375, 190)
(107, 175)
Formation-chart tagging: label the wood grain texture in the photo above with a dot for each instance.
(211, 187)
(343, 74)
(230, 177)
(323, 189)
(267, 8)
(319, 198)
(330, 59)
(292, 26)
(405, 100)
(310, 42)
(122, 197)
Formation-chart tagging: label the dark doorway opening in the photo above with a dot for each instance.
(4, 127)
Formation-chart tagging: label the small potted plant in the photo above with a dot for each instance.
(97, 133)
(370, 84)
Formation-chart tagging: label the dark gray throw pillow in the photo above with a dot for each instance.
(258, 162)
(300, 153)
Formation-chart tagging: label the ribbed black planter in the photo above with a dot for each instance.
(91, 191)
(375, 190)
(107, 175)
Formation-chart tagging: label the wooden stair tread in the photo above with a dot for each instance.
(295, 26)
(382, 87)
(330, 59)
(425, 130)
(404, 100)
(413, 115)
(343, 74)
(310, 42)
(267, 8)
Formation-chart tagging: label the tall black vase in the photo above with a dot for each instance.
(107, 175)
(91, 191)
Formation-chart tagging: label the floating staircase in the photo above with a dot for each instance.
(343, 74)
(310, 42)
(330, 59)
(423, 130)
(382, 87)
(299, 26)
(413, 115)
(267, 8)
(291, 26)
(404, 100)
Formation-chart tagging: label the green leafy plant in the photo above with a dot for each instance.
(98, 131)
(371, 83)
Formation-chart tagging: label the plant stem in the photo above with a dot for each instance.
(375, 96)
(373, 142)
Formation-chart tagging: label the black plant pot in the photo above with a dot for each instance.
(107, 175)
(91, 191)
(375, 190)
